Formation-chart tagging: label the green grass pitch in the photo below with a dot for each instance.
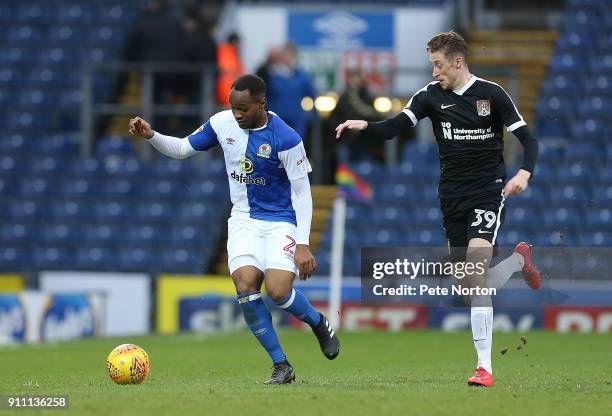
(377, 373)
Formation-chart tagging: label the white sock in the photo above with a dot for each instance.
(499, 275)
(482, 331)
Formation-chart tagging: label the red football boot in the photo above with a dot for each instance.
(530, 273)
(481, 378)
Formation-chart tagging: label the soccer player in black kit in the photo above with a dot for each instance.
(468, 115)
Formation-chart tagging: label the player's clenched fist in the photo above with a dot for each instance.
(140, 128)
(352, 125)
(305, 261)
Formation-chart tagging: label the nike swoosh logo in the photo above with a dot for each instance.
(444, 107)
(485, 232)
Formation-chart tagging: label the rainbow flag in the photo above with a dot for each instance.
(350, 185)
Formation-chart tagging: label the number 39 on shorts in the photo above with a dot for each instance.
(488, 216)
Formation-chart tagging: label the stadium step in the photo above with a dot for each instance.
(525, 52)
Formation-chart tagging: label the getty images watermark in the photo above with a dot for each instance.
(408, 269)
(427, 275)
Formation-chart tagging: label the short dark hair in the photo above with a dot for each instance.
(450, 43)
(254, 84)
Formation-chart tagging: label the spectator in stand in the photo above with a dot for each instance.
(230, 67)
(197, 46)
(263, 71)
(154, 38)
(287, 86)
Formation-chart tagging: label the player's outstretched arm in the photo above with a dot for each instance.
(356, 125)
(385, 130)
(170, 146)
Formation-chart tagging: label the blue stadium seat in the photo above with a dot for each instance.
(28, 211)
(15, 258)
(596, 238)
(46, 166)
(599, 218)
(192, 236)
(97, 258)
(601, 65)
(428, 237)
(150, 212)
(120, 189)
(138, 259)
(61, 146)
(103, 235)
(563, 217)
(38, 188)
(145, 235)
(536, 194)
(70, 210)
(562, 85)
(567, 195)
(588, 153)
(599, 86)
(8, 187)
(18, 233)
(60, 234)
(427, 216)
(52, 257)
(595, 106)
(61, 56)
(568, 63)
(556, 238)
(86, 168)
(77, 12)
(576, 41)
(114, 145)
(521, 217)
(115, 212)
(556, 106)
(83, 188)
(596, 129)
(167, 168)
(554, 263)
(603, 193)
(552, 127)
(165, 190)
(550, 153)
(592, 265)
(203, 189)
(196, 212)
(400, 193)
(578, 173)
(184, 260)
(126, 166)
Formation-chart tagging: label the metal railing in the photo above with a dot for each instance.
(147, 108)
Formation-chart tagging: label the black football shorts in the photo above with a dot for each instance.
(472, 216)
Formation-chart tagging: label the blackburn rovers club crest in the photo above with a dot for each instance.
(483, 107)
(264, 150)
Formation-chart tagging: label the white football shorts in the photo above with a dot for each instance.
(263, 244)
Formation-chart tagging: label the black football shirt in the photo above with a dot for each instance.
(468, 126)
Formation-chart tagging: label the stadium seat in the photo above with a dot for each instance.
(15, 258)
(138, 259)
(97, 258)
(590, 265)
(596, 238)
(17, 233)
(114, 145)
(52, 257)
(60, 234)
(70, 210)
(115, 212)
(570, 195)
(120, 189)
(184, 260)
(38, 188)
(102, 234)
(167, 168)
(145, 235)
(563, 217)
(192, 236)
(82, 188)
